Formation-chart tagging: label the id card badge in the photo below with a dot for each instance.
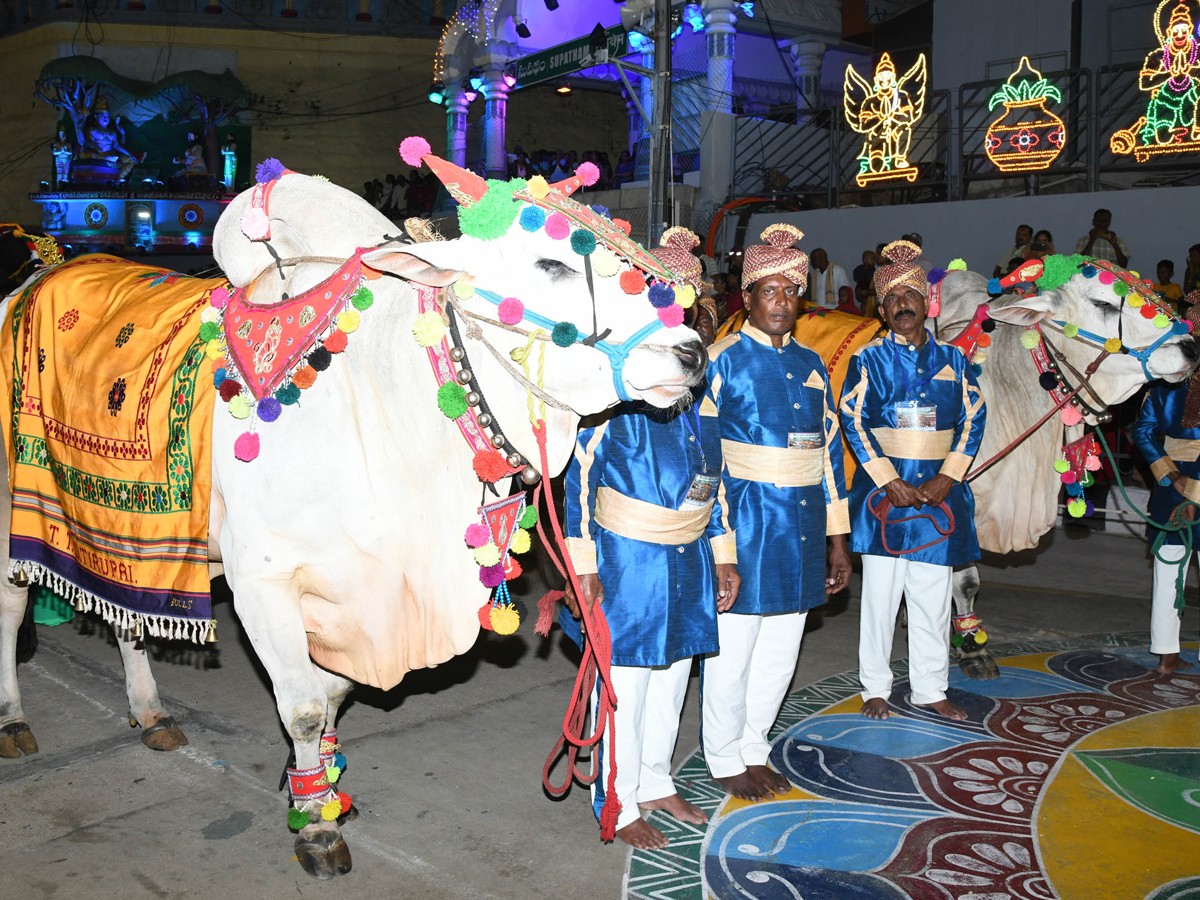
(702, 489)
(805, 440)
(912, 415)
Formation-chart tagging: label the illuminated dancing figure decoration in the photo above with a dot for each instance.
(1169, 75)
(884, 112)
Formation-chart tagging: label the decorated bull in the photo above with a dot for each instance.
(344, 398)
(1087, 336)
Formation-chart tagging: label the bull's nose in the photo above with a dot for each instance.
(1189, 351)
(692, 357)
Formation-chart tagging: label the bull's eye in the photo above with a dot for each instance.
(1102, 305)
(556, 269)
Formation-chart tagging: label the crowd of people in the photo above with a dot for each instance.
(558, 165)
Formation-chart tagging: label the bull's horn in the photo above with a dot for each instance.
(465, 187)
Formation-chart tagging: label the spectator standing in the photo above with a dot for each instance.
(825, 280)
(864, 271)
(1191, 274)
(1021, 241)
(1167, 290)
(1101, 242)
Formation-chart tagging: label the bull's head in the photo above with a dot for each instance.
(1089, 305)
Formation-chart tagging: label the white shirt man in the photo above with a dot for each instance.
(825, 279)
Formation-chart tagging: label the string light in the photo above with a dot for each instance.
(885, 112)
(1027, 137)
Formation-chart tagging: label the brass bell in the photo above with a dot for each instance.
(20, 578)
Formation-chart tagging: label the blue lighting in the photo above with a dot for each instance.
(476, 82)
(694, 17)
(748, 8)
(437, 93)
(678, 31)
(639, 43)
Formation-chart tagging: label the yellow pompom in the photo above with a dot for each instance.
(331, 810)
(463, 289)
(1135, 274)
(521, 541)
(605, 263)
(240, 406)
(1076, 507)
(488, 554)
(1113, 345)
(429, 328)
(505, 619)
(210, 314)
(980, 637)
(1134, 300)
(1061, 466)
(538, 187)
(348, 320)
(213, 349)
(1030, 339)
(685, 295)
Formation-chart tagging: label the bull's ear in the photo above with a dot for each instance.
(1024, 310)
(412, 262)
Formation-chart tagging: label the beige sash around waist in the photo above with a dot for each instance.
(900, 443)
(780, 466)
(642, 521)
(1182, 450)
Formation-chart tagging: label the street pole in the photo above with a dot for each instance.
(661, 169)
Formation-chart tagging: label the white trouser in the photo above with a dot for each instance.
(649, 701)
(743, 687)
(927, 587)
(1164, 617)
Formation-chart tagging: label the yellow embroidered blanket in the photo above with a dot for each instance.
(109, 442)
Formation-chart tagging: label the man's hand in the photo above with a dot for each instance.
(935, 490)
(902, 494)
(1178, 480)
(593, 592)
(729, 582)
(839, 564)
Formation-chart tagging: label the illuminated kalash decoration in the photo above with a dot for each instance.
(884, 112)
(1028, 137)
(1169, 76)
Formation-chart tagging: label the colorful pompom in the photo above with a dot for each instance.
(332, 774)
(588, 173)
(520, 542)
(935, 276)
(529, 517)
(1092, 463)
(985, 340)
(210, 331)
(623, 226)
(993, 286)
(331, 809)
(505, 619)
(463, 289)
(319, 359)
(304, 377)
(485, 613)
(491, 576)
(219, 297)
(976, 369)
(413, 150)
(511, 311)
(583, 241)
(685, 295)
(565, 334)
(362, 298)
(1181, 327)
(605, 263)
(1136, 301)
(1120, 288)
(1061, 465)
(1088, 479)
(288, 394)
(1106, 277)
(219, 376)
(297, 819)
(489, 466)
(492, 215)
(632, 281)
(512, 569)
(1030, 338)
(1161, 320)
(240, 406)
(452, 400)
(213, 349)
(1068, 477)
(671, 316)
(1070, 330)
(429, 328)
(958, 264)
(661, 295)
(1088, 271)
(558, 226)
(487, 554)
(533, 218)
(1076, 507)
(246, 446)
(269, 170)
(1113, 345)
(348, 320)
(335, 341)
(229, 388)
(477, 535)
(538, 188)
(345, 801)
(210, 314)
(987, 326)
(1070, 416)
(269, 409)
(1048, 381)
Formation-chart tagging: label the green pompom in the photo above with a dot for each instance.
(565, 334)
(1120, 288)
(297, 819)
(288, 395)
(1061, 466)
(333, 773)
(452, 400)
(491, 216)
(1030, 339)
(528, 518)
(1059, 270)
(958, 264)
(210, 331)
(362, 298)
(1070, 330)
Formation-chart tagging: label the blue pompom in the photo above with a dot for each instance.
(1074, 490)
(1090, 508)
(976, 369)
(1179, 328)
(219, 376)
(583, 241)
(936, 275)
(602, 211)
(993, 286)
(532, 218)
(1088, 271)
(269, 409)
(564, 334)
(661, 295)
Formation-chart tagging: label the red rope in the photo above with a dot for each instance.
(881, 509)
(595, 665)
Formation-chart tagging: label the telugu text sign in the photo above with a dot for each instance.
(567, 58)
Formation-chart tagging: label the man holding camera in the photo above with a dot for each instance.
(1102, 242)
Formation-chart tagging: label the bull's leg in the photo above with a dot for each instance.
(15, 737)
(271, 617)
(968, 637)
(337, 689)
(159, 731)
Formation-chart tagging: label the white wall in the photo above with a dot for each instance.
(1155, 223)
(967, 36)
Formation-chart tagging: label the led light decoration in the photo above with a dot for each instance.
(884, 113)
(1169, 75)
(1028, 137)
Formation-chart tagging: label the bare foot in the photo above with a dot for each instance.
(744, 787)
(1171, 662)
(875, 708)
(951, 711)
(642, 835)
(769, 780)
(676, 806)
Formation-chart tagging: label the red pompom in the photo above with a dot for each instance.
(512, 569)
(346, 802)
(632, 281)
(490, 466)
(1149, 311)
(229, 389)
(336, 342)
(485, 616)
(623, 226)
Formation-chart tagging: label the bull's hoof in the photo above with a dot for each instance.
(979, 664)
(164, 735)
(16, 740)
(323, 854)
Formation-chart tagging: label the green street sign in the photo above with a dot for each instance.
(566, 58)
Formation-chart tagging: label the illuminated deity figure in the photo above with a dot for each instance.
(884, 112)
(102, 139)
(229, 152)
(193, 158)
(63, 152)
(1169, 75)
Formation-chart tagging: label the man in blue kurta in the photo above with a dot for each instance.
(1167, 433)
(782, 492)
(913, 414)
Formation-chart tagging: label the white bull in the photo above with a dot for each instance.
(1017, 498)
(343, 540)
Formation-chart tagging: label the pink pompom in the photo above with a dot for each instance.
(511, 310)
(588, 173)
(558, 226)
(413, 150)
(671, 316)
(1092, 464)
(255, 224)
(219, 297)
(1188, 323)
(245, 447)
(1070, 415)
(1107, 277)
(477, 535)
(1068, 478)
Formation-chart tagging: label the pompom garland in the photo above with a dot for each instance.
(671, 316)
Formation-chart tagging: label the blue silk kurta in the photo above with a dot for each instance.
(660, 599)
(757, 396)
(883, 373)
(1165, 444)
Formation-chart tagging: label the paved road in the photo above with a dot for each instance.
(446, 768)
